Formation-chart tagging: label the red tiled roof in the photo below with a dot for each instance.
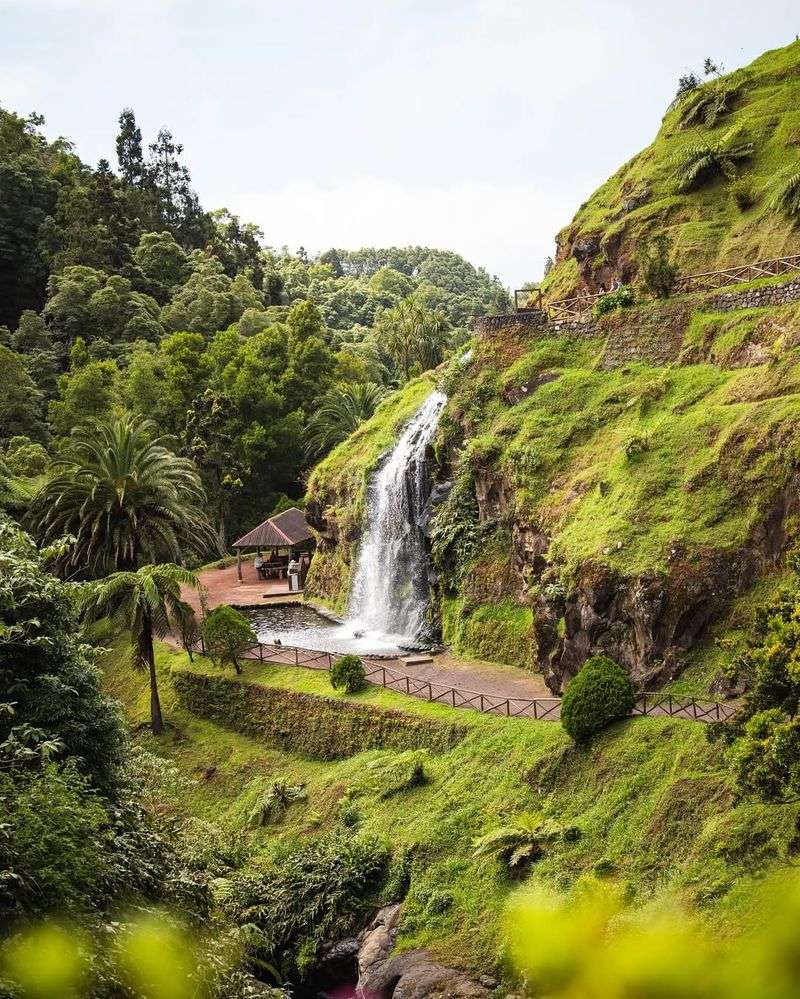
(281, 531)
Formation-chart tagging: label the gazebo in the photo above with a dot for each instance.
(284, 537)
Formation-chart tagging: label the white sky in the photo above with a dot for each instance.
(473, 126)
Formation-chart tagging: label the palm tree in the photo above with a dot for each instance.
(125, 498)
(697, 163)
(341, 411)
(146, 603)
(786, 198)
(411, 333)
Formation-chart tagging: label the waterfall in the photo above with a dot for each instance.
(390, 592)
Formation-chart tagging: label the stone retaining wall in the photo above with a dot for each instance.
(537, 323)
(533, 323)
(755, 298)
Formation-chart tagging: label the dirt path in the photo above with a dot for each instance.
(455, 679)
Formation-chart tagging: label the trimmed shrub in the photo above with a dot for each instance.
(227, 635)
(601, 693)
(348, 674)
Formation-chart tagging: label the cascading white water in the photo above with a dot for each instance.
(390, 592)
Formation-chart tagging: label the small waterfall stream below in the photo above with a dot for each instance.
(390, 593)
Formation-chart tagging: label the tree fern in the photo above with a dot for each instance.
(707, 105)
(786, 198)
(699, 163)
(523, 841)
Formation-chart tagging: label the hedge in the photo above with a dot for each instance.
(319, 727)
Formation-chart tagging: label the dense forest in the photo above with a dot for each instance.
(119, 293)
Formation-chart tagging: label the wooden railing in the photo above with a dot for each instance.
(580, 306)
(539, 708)
(708, 280)
(528, 299)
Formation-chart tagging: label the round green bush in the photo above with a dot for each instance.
(348, 674)
(601, 693)
(228, 635)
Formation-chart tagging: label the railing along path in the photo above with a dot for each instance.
(540, 708)
(580, 306)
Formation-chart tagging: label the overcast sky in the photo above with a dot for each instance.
(474, 126)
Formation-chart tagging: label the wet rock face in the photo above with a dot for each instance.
(646, 623)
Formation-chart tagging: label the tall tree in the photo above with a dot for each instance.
(125, 498)
(20, 400)
(212, 431)
(413, 335)
(130, 156)
(148, 604)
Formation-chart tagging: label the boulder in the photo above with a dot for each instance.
(412, 975)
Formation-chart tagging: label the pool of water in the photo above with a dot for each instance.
(305, 628)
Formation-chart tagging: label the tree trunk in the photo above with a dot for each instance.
(222, 532)
(156, 721)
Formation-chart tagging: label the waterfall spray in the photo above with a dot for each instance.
(390, 593)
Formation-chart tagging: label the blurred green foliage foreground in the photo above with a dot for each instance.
(587, 945)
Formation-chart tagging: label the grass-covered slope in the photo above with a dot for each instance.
(643, 474)
(650, 799)
(721, 220)
(594, 473)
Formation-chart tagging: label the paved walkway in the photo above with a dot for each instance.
(223, 587)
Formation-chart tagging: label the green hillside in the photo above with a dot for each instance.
(650, 800)
(642, 474)
(721, 220)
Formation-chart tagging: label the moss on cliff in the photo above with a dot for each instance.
(500, 632)
(721, 221)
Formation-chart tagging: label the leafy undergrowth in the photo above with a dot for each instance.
(649, 797)
(721, 220)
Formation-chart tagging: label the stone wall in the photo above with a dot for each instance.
(322, 728)
(755, 298)
(537, 323)
(533, 323)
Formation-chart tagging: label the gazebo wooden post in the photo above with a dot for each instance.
(239, 563)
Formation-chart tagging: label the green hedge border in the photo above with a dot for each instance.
(323, 728)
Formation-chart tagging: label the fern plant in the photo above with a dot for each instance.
(272, 804)
(786, 198)
(708, 105)
(700, 163)
(523, 841)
